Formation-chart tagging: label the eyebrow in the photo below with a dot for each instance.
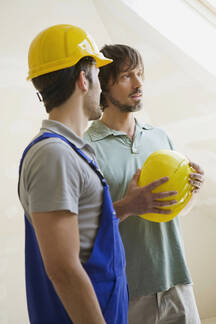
(130, 70)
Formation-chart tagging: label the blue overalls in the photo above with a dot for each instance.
(105, 267)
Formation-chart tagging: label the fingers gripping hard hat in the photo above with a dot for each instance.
(174, 165)
(59, 47)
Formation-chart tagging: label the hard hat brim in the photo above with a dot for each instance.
(100, 60)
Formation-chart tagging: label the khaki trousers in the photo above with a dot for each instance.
(174, 306)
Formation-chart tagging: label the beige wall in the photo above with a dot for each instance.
(173, 83)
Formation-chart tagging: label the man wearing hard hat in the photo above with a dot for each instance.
(158, 277)
(75, 262)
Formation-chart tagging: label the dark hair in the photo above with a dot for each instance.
(122, 55)
(56, 87)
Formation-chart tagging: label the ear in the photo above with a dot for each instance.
(82, 82)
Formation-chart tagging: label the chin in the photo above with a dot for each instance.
(131, 108)
(138, 107)
(95, 116)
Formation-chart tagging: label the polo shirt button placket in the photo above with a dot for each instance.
(134, 150)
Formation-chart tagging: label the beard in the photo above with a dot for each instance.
(94, 113)
(92, 104)
(92, 108)
(125, 107)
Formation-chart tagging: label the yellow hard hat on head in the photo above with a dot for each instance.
(174, 165)
(59, 47)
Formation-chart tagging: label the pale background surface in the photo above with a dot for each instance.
(179, 96)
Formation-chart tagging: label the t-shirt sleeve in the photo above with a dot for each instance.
(53, 179)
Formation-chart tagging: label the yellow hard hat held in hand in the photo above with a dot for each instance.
(59, 47)
(172, 164)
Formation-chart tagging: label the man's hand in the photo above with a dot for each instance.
(196, 179)
(141, 200)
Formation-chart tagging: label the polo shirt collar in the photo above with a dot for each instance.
(99, 130)
(59, 128)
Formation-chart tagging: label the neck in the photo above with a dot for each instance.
(71, 114)
(121, 121)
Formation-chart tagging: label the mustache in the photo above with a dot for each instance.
(136, 92)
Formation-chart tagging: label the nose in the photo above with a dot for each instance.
(137, 83)
(99, 86)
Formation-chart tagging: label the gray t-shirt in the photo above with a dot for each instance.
(54, 177)
(154, 251)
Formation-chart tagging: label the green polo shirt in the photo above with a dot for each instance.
(154, 251)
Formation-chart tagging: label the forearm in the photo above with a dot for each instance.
(78, 296)
(122, 208)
